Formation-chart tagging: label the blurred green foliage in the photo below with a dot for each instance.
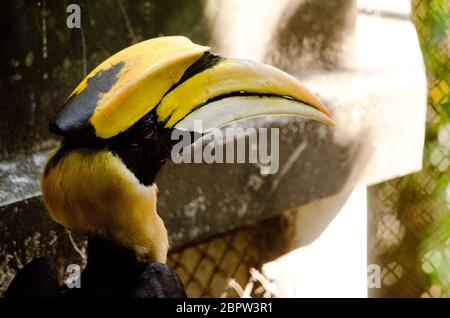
(411, 240)
(432, 21)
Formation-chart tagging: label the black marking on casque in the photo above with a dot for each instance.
(206, 61)
(73, 120)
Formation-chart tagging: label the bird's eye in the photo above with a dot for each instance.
(146, 132)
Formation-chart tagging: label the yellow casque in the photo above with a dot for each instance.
(147, 71)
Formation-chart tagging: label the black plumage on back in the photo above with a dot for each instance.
(37, 279)
(158, 281)
(111, 271)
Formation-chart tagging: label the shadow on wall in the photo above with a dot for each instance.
(320, 32)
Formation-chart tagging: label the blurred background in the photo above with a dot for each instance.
(357, 210)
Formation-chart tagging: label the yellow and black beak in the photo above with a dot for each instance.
(180, 82)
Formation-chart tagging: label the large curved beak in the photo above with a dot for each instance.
(231, 90)
(182, 82)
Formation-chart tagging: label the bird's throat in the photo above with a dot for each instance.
(106, 200)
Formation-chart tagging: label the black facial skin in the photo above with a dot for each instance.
(143, 148)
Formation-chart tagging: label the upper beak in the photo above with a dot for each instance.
(233, 90)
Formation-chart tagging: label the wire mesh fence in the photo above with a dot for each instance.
(217, 267)
(229, 265)
(409, 220)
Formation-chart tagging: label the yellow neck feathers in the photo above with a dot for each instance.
(92, 190)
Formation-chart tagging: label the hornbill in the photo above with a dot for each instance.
(117, 127)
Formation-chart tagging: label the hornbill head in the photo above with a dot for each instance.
(117, 125)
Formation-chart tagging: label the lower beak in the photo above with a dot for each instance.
(234, 90)
(232, 109)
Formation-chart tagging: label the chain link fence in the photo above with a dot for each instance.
(229, 265)
(219, 267)
(409, 219)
